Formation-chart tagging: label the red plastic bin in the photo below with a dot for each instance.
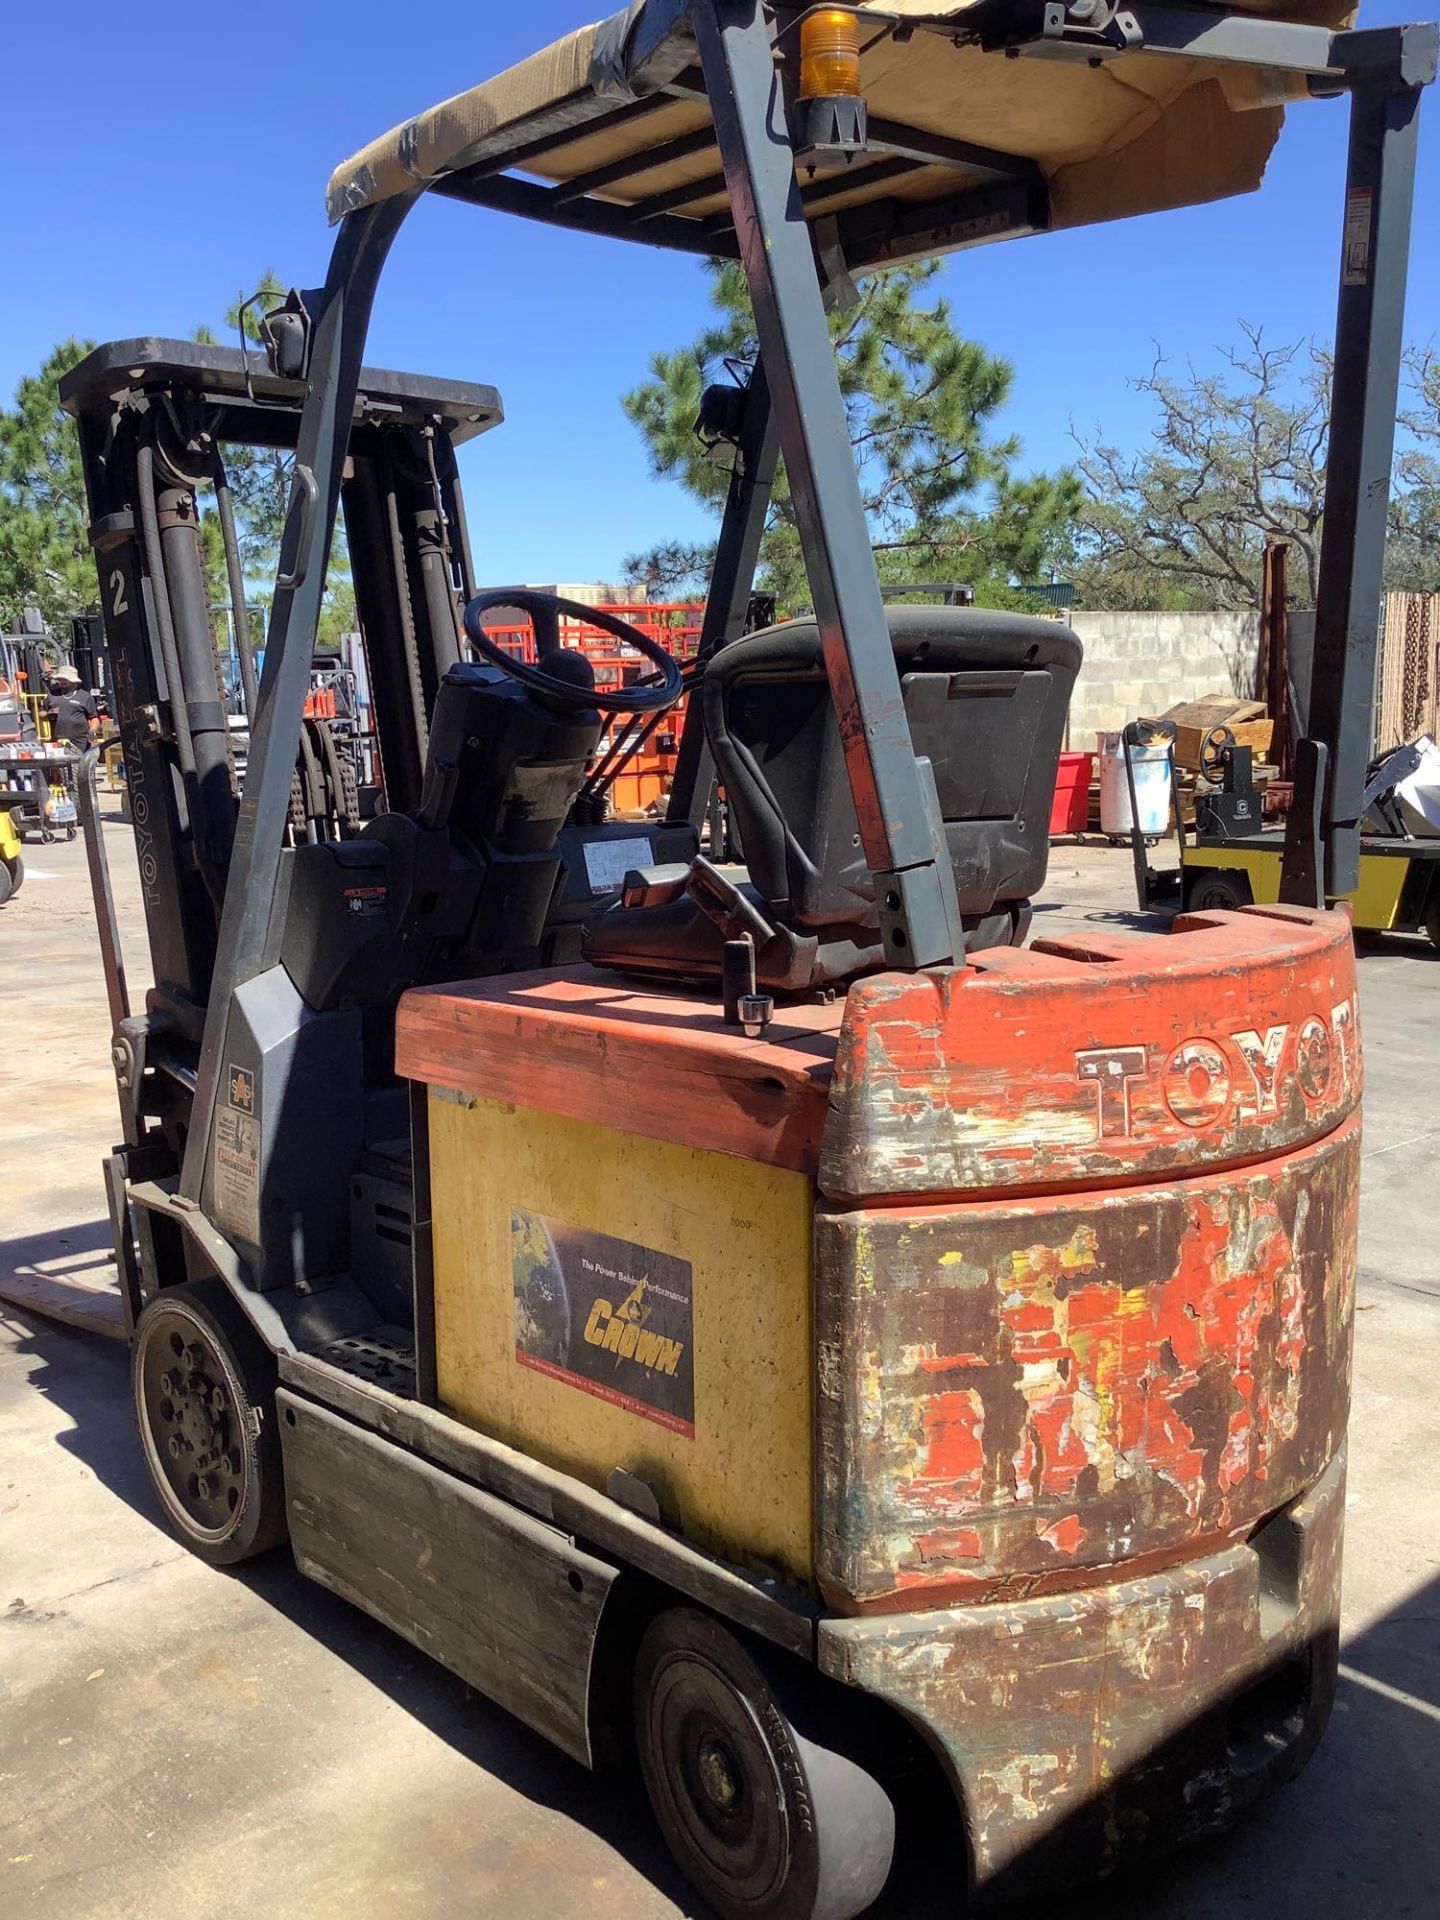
(1071, 810)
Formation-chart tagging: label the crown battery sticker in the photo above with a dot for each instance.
(608, 1316)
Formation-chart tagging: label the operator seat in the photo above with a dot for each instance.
(986, 695)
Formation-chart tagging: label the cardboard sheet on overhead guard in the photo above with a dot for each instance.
(1141, 133)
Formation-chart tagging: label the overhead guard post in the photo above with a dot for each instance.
(247, 931)
(902, 836)
(1386, 69)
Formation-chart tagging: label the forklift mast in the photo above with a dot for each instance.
(156, 420)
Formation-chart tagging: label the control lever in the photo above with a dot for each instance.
(744, 928)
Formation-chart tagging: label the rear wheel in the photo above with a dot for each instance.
(765, 1823)
(12, 876)
(204, 1386)
(1216, 890)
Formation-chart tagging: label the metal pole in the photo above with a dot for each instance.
(900, 831)
(432, 544)
(247, 929)
(1272, 679)
(107, 926)
(235, 572)
(1388, 67)
(737, 552)
(213, 809)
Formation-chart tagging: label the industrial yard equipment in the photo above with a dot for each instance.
(1229, 858)
(12, 865)
(860, 1354)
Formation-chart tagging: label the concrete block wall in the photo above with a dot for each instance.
(1142, 663)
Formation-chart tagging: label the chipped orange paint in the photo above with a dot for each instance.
(1162, 1366)
(1067, 1535)
(1088, 1061)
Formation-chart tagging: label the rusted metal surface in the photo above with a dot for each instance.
(585, 1045)
(1085, 1062)
(1272, 678)
(1013, 1396)
(1083, 1730)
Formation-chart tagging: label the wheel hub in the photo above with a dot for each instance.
(192, 1426)
(719, 1775)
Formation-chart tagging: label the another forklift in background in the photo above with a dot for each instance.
(892, 1376)
(12, 865)
(1230, 859)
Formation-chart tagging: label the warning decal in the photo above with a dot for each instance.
(1356, 269)
(237, 1171)
(608, 861)
(608, 1316)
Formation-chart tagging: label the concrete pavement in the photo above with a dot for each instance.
(177, 1739)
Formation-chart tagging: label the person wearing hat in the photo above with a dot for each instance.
(74, 716)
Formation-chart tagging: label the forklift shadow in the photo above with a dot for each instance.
(1356, 1837)
(1074, 917)
(88, 1379)
(84, 1247)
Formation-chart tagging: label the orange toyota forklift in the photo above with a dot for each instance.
(741, 1300)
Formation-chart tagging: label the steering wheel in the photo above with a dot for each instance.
(1212, 752)
(546, 610)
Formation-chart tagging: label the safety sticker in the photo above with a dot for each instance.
(605, 1315)
(237, 1170)
(367, 903)
(1356, 269)
(608, 861)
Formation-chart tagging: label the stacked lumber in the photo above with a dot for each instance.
(1196, 720)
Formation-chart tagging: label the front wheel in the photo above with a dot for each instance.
(204, 1385)
(765, 1823)
(12, 878)
(1216, 890)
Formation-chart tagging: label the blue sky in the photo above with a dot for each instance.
(160, 174)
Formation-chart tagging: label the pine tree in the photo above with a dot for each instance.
(45, 557)
(940, 488)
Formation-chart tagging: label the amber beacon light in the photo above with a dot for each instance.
(829, 54)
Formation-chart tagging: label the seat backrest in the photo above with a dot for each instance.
(986, 694)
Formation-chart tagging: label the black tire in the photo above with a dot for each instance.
(1432, 916)
(215, 1463)
(764, 1823)
(10, 879)
(1217, 890)
(70, 833)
